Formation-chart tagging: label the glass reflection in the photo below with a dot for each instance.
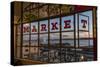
(54, 39)
(68, 39)
(43, 40)
(34, 53)
(34, 40)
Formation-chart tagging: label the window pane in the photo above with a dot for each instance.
(85, 24)
(68, 23)
(25, 52)
(54, 55)
(34, 40)
(89, 22)
(43, 40)
(34, 27)
(54, 25)
(26, 28)
(44, 26)
(84, 54)
(43, 54)
(54, 39)
(68, 39)
(86, 42)
(25, 40)
(85, 36)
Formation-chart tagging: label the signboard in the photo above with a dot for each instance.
(67, 24)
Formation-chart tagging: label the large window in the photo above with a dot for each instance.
(53, 36)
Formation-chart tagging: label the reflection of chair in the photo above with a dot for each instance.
(53, 55)
(62, 52)
(44, 54)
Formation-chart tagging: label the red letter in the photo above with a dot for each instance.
(34, 29)
(26, 29)
(54, 26)
(84, 23)
(67, 24)
(43, 27)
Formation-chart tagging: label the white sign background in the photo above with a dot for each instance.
(81, 17)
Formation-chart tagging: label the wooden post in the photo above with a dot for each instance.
(94, 33)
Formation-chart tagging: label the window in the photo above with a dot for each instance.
(55, 37)
(54, 50)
